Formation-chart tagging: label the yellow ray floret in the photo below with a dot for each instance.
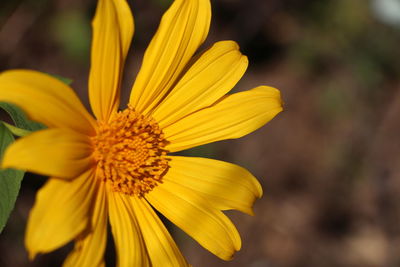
(115, 167)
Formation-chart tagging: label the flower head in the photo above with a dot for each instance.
(115, 166)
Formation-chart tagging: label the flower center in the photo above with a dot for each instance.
(129, 152)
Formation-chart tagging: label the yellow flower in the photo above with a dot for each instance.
(115, 167)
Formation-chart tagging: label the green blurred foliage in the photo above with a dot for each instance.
(71, 30)
(344, 31)
(10, 180)
(342, 35)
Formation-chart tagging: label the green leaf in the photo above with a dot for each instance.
(10, 180)
(15, 130)
(67, 81)
(19, 118)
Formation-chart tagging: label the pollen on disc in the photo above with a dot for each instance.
(129, 153)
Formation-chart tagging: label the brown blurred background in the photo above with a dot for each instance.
(328, 164)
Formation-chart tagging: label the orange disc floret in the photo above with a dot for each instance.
(129, 152)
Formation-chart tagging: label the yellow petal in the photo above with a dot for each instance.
(128, 240)
(126, 24)
(54, 152)
(234, 116)
(182, 30)
(45, 99)
(194, 215)
(225, 185)
(161, 247)
(213, 75)
(90, 245)
(60, 213)
(112, 35)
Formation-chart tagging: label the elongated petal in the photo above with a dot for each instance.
(60, 213)
(161, 247)
(55, 152)
(194, 215)
(225, 185)
(45, 99)
(131, 250)
(234, 116)
(214, 74)
(182, 30)
(90, 245)
(112, 34)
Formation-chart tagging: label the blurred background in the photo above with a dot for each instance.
(329, 164)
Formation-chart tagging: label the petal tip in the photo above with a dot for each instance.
(31, 255)
(244, 60)
(228, 43)
(251, 212)
(230, 255)
(260, 191)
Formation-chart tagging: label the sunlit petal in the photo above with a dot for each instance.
(195, 215)
(225, 185)
(129, 243)
(45, 99)
(60, 213)
(90, 245)
(161, 247)
(112, 34)
(234, 116)
(52, 152)
(182, 30)
(213, 75)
